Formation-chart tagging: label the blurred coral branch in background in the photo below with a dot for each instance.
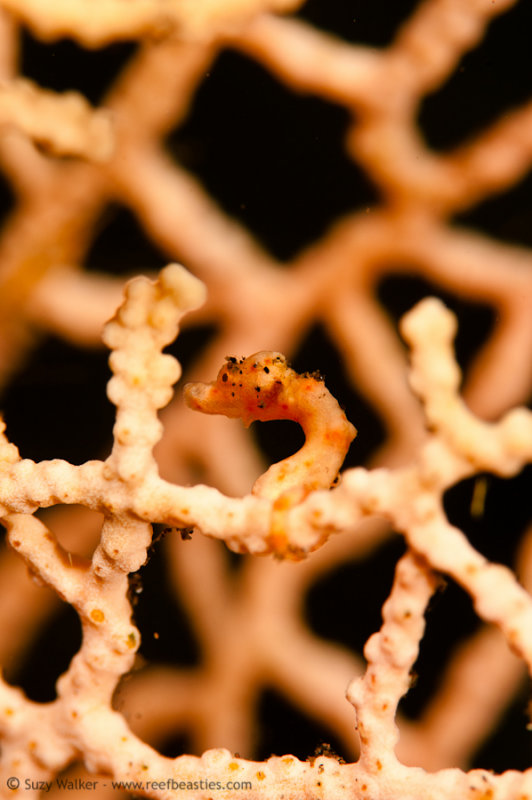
(318, 168)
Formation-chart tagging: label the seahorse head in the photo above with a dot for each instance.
(250, 388)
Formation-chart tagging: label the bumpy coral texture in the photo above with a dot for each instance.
(186, 488)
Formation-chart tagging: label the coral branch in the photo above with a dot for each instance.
(65, 124)
(391, 654)
(144, 324)
(102, 21)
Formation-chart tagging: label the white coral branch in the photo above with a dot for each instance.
(99, 21)
(63, 123)
(129, 491)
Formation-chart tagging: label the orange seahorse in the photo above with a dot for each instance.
(263, 387)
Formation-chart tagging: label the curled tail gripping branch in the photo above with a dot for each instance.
(263, 387)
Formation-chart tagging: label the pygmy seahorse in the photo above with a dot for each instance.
(263, 387)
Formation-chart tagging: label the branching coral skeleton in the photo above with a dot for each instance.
(65, 163)
(40, 740)
(65, 124)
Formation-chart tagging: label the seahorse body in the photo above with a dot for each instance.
(263, 387)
